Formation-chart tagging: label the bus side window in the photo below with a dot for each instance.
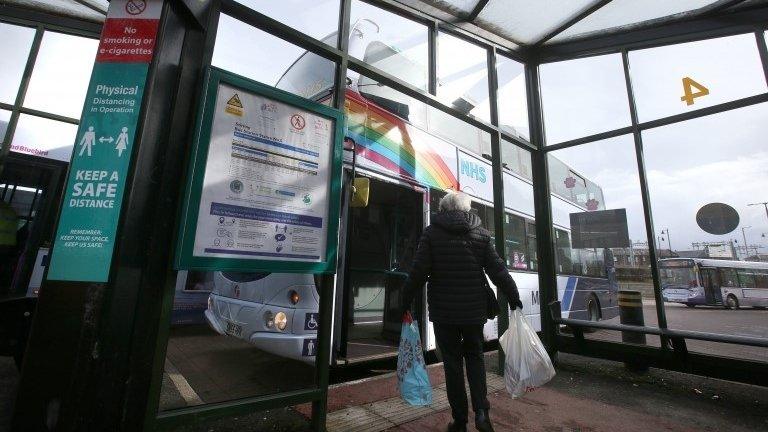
(761, 279)
(728, 278)
(514, 242)
(564, 260)
(746, 278)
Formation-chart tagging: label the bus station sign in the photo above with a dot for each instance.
(264, 183)
(85, 236)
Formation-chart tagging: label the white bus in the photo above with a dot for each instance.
(731, 284)
(406, 153)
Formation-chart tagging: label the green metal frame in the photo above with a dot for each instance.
(185, 258)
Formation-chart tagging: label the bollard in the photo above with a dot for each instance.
(631, 313)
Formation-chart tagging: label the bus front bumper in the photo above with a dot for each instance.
(297, 347)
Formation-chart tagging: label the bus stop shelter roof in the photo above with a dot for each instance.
(535, 23)
(88, 10)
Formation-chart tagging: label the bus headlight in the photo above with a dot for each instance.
(281, 321)
(294, 297)
(210, 303)
(269, 319)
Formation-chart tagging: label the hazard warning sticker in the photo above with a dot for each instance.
(234, 106)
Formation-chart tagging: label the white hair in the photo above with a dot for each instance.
(455, 201)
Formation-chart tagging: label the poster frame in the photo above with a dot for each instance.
(185, 258)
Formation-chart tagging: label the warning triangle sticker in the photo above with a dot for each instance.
(235, 101)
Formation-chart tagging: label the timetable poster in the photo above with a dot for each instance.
(265, 192)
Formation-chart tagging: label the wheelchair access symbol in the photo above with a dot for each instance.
(310, 321)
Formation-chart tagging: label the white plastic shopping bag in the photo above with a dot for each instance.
(527, 364)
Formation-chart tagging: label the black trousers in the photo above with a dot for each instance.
(460, 343)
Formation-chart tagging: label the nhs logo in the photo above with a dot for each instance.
(475, 177)
(473, 170)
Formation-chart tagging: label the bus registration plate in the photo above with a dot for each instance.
(676, 294)
(234, 329)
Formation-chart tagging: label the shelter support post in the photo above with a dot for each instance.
(542, 207)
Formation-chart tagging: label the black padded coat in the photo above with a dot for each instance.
(453, 253)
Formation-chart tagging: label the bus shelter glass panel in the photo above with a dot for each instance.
(61, 74)
(462, 69)
(243, 334)
(272, 60)
(13, 58)
(583, 97)
(520, 227)
(40, 136)
(389, 42)
(5, 117)
(703, 174)
(513, 102)
(600, 233)
(316, 18)
(679, 78)
(439, 125)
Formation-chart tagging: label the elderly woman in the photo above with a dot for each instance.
(454, 254)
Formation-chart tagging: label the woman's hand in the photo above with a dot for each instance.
(407, 317)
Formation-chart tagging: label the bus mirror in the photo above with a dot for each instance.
(361, 188)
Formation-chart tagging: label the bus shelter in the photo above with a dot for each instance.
(614, 149)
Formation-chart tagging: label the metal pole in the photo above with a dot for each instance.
(543, 210)
(325, 330)
(765, 204)
(744, 236)
(498, 194)
(645, 195)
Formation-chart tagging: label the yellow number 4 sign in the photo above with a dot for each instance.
(689, 94)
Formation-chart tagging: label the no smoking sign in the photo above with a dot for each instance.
(135, 7)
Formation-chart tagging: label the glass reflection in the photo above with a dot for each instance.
(317, 18)
(600, 233)
(703, 175)
(433, 121)
(289, 67)
(43, 137)
(463, 76)
(513, 103)
(711, 72)
(5, 117)
(519, 218)
(236, 335)
(17, 41)
(389, 42)
(62, 71)
(583, 97)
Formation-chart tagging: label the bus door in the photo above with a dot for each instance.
(32, 188)
(711, 281)
(383, 239)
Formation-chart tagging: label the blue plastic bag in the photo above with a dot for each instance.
(412, 377)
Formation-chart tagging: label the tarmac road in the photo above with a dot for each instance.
(205, 367)
(739, 322)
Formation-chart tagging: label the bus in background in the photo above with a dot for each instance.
(709, 282)
(409, 154)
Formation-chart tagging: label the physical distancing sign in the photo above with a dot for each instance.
(85, 236)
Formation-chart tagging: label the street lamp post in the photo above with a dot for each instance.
(764, 204)
(665, 231)
(744, 236)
